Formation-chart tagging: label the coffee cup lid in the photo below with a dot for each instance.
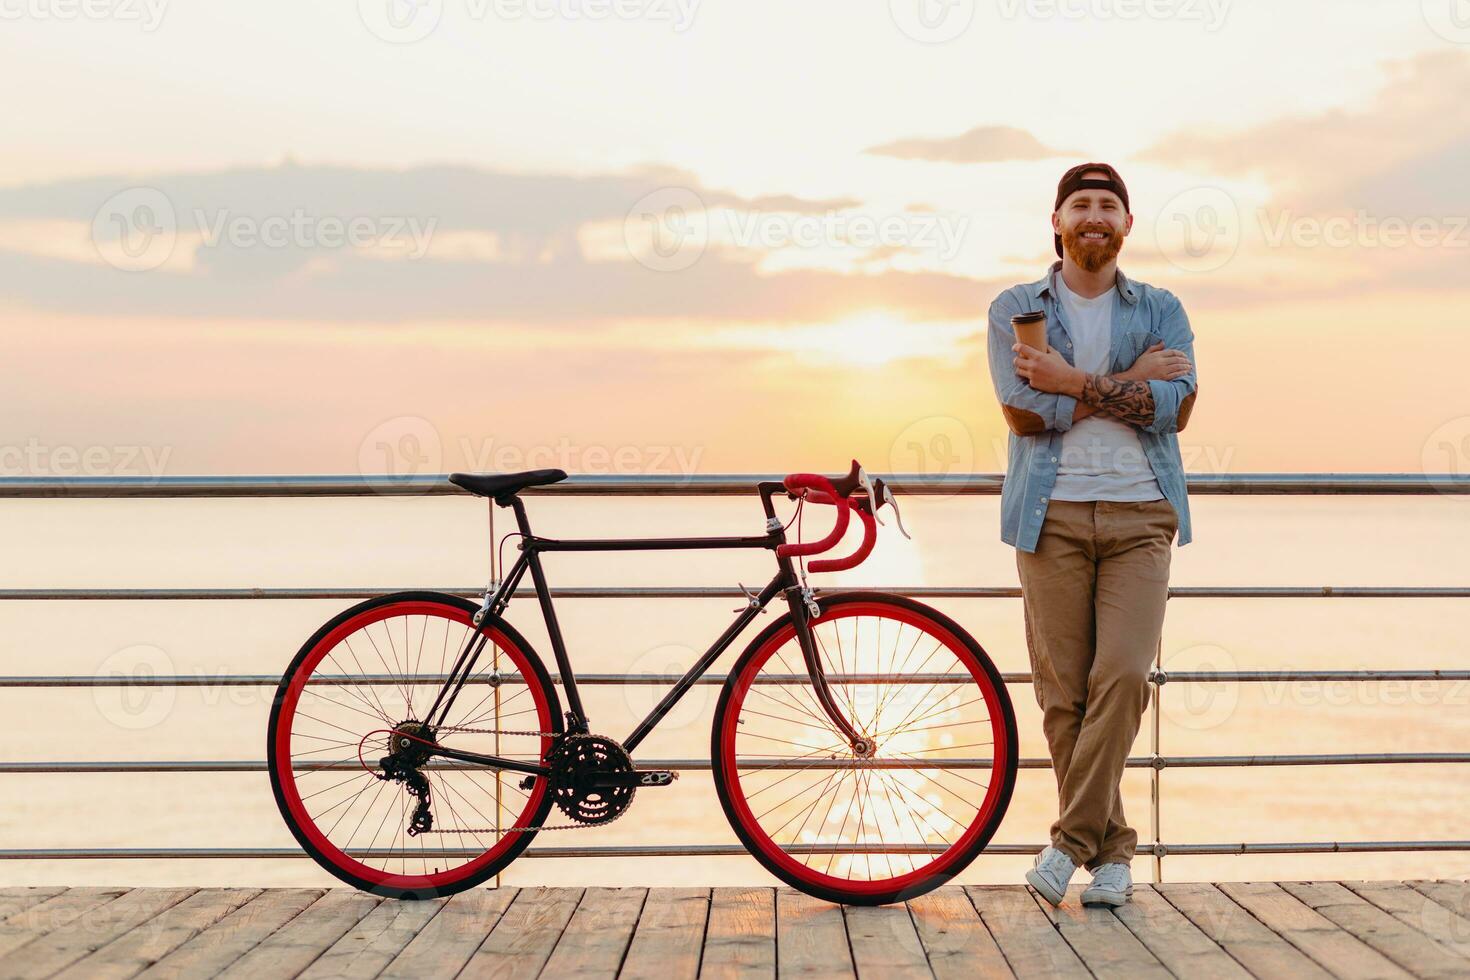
(1035, 317)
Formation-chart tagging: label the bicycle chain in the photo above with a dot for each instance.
(517, 830)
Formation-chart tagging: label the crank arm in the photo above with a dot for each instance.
(641, 777)
(488, 761)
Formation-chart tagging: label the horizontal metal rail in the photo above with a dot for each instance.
(703, 765)
(722, 484)
(630, 680)
(716, 850)
(730, 592)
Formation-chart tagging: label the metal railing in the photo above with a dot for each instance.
(737, 484)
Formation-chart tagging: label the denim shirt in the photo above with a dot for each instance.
(1142, 317)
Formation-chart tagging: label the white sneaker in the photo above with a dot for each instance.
(1112, 884)
(1050, 873)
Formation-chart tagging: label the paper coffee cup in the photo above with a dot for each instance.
(1030, 329)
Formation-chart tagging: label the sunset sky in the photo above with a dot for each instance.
(735, 235)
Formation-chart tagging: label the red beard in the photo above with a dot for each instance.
(1092, 255)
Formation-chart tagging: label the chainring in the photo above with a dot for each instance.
(573, 762)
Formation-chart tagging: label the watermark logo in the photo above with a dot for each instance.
(1450, 19)
(36, 458)
(406, 445)
(147, 14)
(135, 229)
(669, 660)
(1199, 705)
(137, 705)
(932, 21)
(400, 21)
(1198, 230)
(935, 448)
(138, 229)
(667, 230)
(1447, 450)
(1210, 13)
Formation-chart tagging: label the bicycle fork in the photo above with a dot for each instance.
(803, 610)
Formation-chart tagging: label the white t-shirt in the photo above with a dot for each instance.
(1102, 457)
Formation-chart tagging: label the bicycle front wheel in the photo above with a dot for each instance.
(375, 669)
(901, 821)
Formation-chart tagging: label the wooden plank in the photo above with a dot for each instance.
(445, 945)
(90, 931)
(958, 944)
(13, 900)
(1177, 942)
(1337, 950)
(597, 936)
(1244, 937)
(235, 935)
(740, 939)
(138, 949)
(1106, 946)
(55, 912)
(1032, 946)
(811, 937)
(885, 942)
(368, 947)
(1410, 948)
(1453, 894)
(670, 935)
(1415, 909)
(523, 939)
(294, 946)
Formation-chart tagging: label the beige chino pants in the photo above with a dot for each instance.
(1094, 593)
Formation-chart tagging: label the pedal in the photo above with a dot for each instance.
(656, 777)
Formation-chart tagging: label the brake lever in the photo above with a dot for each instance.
(892, 501)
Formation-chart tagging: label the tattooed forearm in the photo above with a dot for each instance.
(1129, 401)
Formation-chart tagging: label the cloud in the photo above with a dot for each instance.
(1315, 159)
(507, 247)
(983, 144)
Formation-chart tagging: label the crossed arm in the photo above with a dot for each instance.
(1038, 391)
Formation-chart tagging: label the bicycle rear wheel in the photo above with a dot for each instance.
(866, 831)
(375, 668)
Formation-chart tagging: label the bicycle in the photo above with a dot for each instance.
(850, 748)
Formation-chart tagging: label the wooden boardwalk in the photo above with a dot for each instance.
(1186, 929)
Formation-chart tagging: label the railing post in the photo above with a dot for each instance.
(1156, 773)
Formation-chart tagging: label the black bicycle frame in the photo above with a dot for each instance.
(531, 547)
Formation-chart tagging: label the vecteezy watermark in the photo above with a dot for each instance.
(1199, 705)
(147, 14)
(1445, 914)
(134, 700)
(932, 21)
(138, 228)
(135, 229)
(1198, 230)
(407, 21)
(1210, 13)
(1450, 19)
(669, 229)
(410, 445)
(1447, 450)
(1363, 229)
(934, 449)
(36, 458)
(627, 459)
(405, 445)
(668, 663)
